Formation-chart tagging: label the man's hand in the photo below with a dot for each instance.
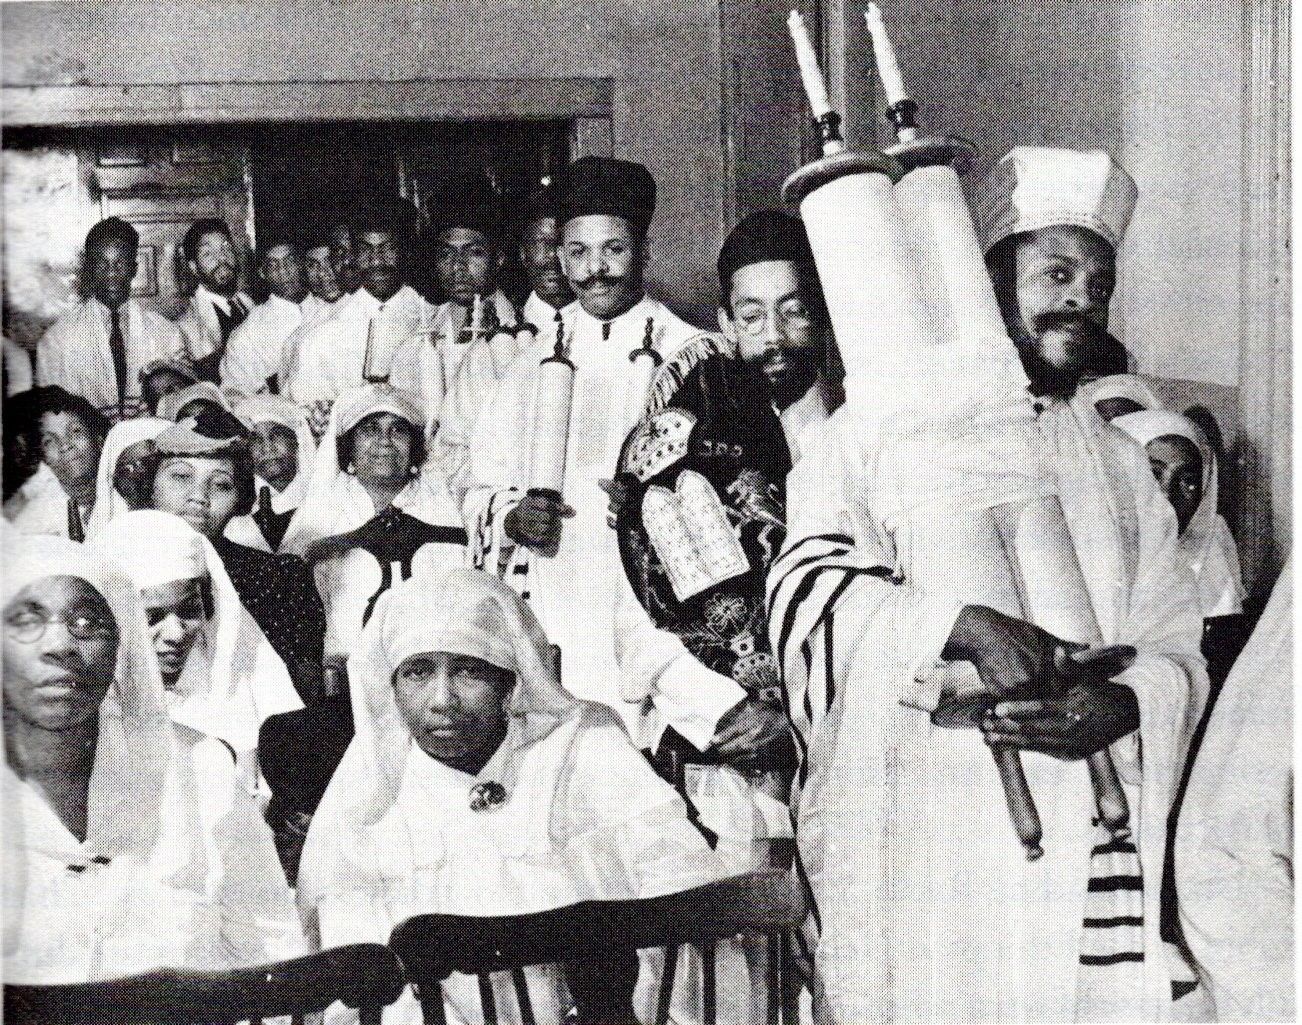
(1086, 719)
(748, 727)
(619, 491)
(1013, 658)
(536, 523)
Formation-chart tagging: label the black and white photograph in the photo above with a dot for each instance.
(646, 512)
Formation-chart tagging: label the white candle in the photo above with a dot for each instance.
(888, 68)
(807, 58)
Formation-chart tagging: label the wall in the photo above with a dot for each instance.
(664, 59)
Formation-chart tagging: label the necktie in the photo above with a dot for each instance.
(118, 350)
(75, 530)
(272, 524)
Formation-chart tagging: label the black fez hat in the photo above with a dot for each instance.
(600, 185)
(466, 200)
(762, 236)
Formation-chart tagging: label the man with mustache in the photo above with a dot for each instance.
(364, 338)
(98, 348)
(217, 306)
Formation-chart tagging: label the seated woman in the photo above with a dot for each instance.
(119, 482)
(203, 473)
(374, 512)
(1185, 466)
(59, 497)
(477, 785)
(113, 862)
(282, 447)
(221, 676)
(1119, 394)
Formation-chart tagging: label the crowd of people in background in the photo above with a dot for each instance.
(293, 649)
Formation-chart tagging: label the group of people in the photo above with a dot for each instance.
(296, 647)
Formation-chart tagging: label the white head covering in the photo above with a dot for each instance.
(232, 679)
(1122, 386)
(264, 409)
(172, 403)
(1041, 186)
(109, 504)
(135, 788)
(334, 503)
(1206, 542)
(459, 610)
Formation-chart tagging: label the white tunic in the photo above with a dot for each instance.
(253, 352)
(927, 907)
(587, 572)
(332, 355)
(74, 353)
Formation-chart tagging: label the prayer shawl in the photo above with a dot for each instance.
(41, 506)
(253, 352)
(584, 818)
(1207, 542)
(587, 571)
(232, 680)
(199, 325)
(1234, 843)
(263, 409)
(336, 503)
(109, 502)
(167, 875)
(74, 353)
(926, 907)
(332, 355)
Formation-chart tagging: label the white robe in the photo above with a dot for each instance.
(315, 311)
(926, 906)
(1234, 842)
(332, 355)
(74, 353)
(253, 351)
(587, 571)
(40, 506)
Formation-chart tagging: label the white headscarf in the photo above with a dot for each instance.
(109, 503)
(1207, 542)
(335, 502)
(462, 611)
(172, 403)
(272, 409)
(1122, 386)
(232, 679)
(136, 791)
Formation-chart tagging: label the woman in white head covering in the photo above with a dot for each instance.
(111, 865)
(177, 405)
(282, 447)
(375, 511)
(1119, 394)
(116, 487)
(1185, 466)
(476, 785)
(222, 677)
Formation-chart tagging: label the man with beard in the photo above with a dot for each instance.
(772, 310)
(97, 348)
(897, 825)
(561, 550)
(461, 360)
(363, 340)
(217, 306)
(251, 363)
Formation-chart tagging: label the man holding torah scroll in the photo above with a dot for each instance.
(553, 543)
(927, 908)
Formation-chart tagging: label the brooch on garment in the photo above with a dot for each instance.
(487, 796)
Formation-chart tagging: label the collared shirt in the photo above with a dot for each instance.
(539, 312)
(253, 352)
(75, 353)
(41, 506)
(332, 355)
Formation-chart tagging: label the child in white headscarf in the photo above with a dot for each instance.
(140, 876)
(564, 808)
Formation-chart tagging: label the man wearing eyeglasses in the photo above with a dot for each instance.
(771, 307)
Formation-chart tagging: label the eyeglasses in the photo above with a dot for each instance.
(29, 626)
(791, 319)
